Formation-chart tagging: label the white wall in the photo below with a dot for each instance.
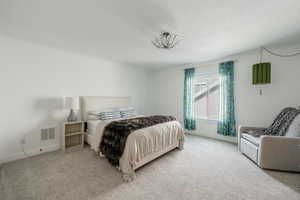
(33, 80)
(251, 109)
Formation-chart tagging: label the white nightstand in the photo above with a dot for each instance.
(73, 135)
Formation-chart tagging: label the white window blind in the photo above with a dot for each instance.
(206, 95)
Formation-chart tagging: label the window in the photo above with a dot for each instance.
(206, 96)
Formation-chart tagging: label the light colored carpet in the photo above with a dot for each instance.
(206, 169)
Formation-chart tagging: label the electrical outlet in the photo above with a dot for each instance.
(23, 141)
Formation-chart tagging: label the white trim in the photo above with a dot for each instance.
(207, 93)
(29, 153)
(207, 119)
(208, 73)
(229, 139)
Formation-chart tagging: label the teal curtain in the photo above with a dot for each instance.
(189, 118)
(226, 122)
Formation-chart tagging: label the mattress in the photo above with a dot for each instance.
(92, 125)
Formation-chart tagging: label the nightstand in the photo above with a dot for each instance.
(73, 135)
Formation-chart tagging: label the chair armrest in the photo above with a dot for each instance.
(244, 129)
(279, 152)
(282, 140)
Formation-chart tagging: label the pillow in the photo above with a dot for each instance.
(105, 115)
(93, 117)
(96, 112)
(110, 115)
(294, 129)
(129, 112)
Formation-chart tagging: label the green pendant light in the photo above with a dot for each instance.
(261, 72)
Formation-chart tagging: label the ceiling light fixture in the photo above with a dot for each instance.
(165, 40)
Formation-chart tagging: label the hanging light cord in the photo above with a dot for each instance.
(280, 55)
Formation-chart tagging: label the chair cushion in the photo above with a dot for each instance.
(294, 129)
(252, 139)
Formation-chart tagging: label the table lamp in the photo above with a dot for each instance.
(72, 104)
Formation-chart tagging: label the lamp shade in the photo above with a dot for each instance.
(261, 73)
(71, 103)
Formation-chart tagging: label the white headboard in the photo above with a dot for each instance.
(98, 103)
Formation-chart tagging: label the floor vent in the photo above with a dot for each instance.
(47, 133)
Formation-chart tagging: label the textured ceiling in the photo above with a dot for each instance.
(122, 30)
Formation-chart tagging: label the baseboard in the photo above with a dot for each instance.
(29, 153)
(212, 137)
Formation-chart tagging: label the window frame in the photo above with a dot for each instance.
(209, 74)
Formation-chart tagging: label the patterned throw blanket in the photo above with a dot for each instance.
(281, 123)
(115, 134)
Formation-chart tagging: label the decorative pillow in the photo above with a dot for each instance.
(105, 115)
(127, 112)
(96, 112)
(110, 115)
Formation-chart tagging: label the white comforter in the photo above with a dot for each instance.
(143, 142)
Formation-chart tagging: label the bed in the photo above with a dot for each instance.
(142, 146)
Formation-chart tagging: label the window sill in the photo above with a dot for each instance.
(206, 119)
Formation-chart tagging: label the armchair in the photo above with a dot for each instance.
(272, 152)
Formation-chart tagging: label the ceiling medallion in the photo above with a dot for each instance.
(165, 40)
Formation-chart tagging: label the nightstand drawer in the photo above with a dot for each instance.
(73, 128)
(73, 140)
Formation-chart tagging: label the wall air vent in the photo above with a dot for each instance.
(47, 134)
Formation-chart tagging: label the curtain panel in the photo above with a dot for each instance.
(189, 118)
(226, 122)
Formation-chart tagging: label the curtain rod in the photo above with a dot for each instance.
(203, 73)
(208, 63)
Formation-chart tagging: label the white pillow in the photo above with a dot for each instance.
(106, 114)
(110, 115)
(129, 112)
(294, 129)
(97, 112)
(93, 117)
